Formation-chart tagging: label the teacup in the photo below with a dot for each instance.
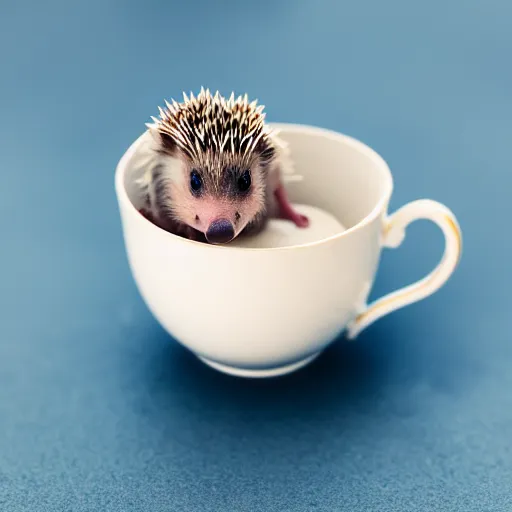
(261, 312)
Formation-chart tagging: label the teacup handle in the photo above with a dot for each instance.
(394, 234)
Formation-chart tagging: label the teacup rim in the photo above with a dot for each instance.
(381, 204)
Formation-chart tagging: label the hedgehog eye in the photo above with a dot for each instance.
(244, 182)
(195, 181)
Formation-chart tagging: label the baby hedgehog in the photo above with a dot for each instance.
(215, 169)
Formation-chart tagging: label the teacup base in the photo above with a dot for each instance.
(260, 373)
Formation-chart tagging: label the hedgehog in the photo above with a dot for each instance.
(215, 169)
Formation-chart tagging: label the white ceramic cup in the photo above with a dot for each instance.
(260, 312)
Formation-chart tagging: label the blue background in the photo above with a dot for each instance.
(99, 410)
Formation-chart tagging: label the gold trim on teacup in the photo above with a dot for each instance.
(384, 303)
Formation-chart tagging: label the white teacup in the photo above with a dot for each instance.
(260, 312)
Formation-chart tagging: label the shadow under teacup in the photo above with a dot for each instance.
(267, 311)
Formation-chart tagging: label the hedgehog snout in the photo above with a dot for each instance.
(220, 231)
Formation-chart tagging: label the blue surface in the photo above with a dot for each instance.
(100, 411)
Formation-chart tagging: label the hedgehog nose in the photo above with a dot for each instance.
(220, 231)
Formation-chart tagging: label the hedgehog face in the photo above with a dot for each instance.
(219, 196)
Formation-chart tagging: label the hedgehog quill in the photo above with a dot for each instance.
(215, 170)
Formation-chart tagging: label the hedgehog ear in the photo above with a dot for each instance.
(268, 154)
(164, 140)
(266, 151)
(168, 143)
